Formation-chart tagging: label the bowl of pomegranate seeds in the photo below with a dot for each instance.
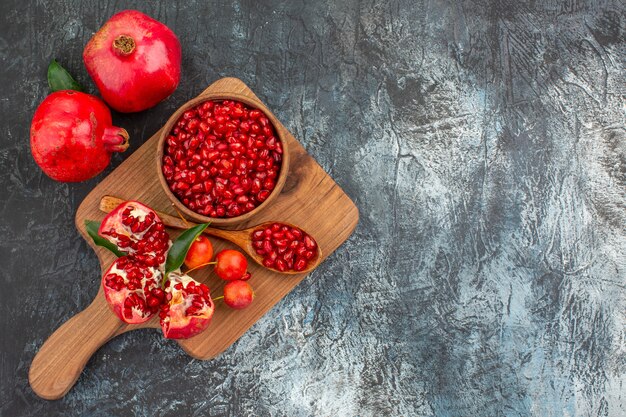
(221, 158)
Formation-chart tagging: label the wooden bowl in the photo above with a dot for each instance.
(221, 221)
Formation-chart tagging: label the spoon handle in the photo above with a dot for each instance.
(109, 203)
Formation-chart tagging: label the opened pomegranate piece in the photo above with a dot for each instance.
(132, 289)
(284, 247)
(188, 308)
(132, 283)
(137, 230)
(222, 158)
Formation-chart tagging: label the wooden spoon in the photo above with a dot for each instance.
(241, 238)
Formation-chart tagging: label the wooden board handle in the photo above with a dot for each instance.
(61, 359)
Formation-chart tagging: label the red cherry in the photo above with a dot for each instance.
(200, 252)
(238, 294)
(231, 265)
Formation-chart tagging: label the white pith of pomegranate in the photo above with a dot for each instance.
(132, 283)
(188, 308)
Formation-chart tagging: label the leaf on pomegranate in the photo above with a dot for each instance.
(92, 229)
(60, 79)
(180, 247)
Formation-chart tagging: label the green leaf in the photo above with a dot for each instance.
(60, 79)
(92, 228)
(180, 247)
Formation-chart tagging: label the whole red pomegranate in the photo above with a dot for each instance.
(71, 136)
(134, 61)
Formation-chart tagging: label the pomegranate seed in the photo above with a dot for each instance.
(262, 196)
(299, 264)
(280, 265)
(153, 301)
(284, 247)
(309, 242)
(223, 142)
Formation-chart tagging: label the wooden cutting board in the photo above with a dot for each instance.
(309, 199)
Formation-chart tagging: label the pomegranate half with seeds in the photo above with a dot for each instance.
(132, 283)
(132, 289)
(221, 159)
(188, 308)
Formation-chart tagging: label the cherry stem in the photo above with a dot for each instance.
(200, 266)
(181, 215)
(218, 298)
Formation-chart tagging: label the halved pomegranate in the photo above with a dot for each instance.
(132, 289)
(189, 308)
(132, 283)
(137, 230)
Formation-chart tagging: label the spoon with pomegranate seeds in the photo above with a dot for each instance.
(279, 246)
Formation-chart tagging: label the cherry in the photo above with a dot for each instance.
(200, 253)
(238, 294)
(231, 265)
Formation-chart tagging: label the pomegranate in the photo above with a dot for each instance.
(134, 61)
(132, 289)
(72, 137)
(238, 294)
(132, 283)
(284, 247)
(230, 264)
(200, 253)
(189, 308)
(222, 158)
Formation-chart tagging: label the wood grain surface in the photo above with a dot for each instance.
(309, 199)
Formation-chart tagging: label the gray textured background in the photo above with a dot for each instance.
(484, 144)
